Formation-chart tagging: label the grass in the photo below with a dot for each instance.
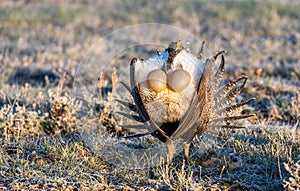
(40, 51)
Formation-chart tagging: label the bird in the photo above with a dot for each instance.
(178, 95)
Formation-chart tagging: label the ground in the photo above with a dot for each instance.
(42, 45)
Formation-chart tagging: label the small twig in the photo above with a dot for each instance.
(279, 168)
(114, 80)
(60, 85)
(100, 85)
(223, 167)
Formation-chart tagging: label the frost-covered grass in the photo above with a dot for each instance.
(43, 43)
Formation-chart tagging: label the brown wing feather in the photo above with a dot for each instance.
(206, 89)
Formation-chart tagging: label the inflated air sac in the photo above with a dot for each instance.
(157, 80)
(178, 80)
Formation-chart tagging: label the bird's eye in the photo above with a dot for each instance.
(157, 80)
(178, 80)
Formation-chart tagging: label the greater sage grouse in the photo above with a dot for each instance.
(178, 96)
